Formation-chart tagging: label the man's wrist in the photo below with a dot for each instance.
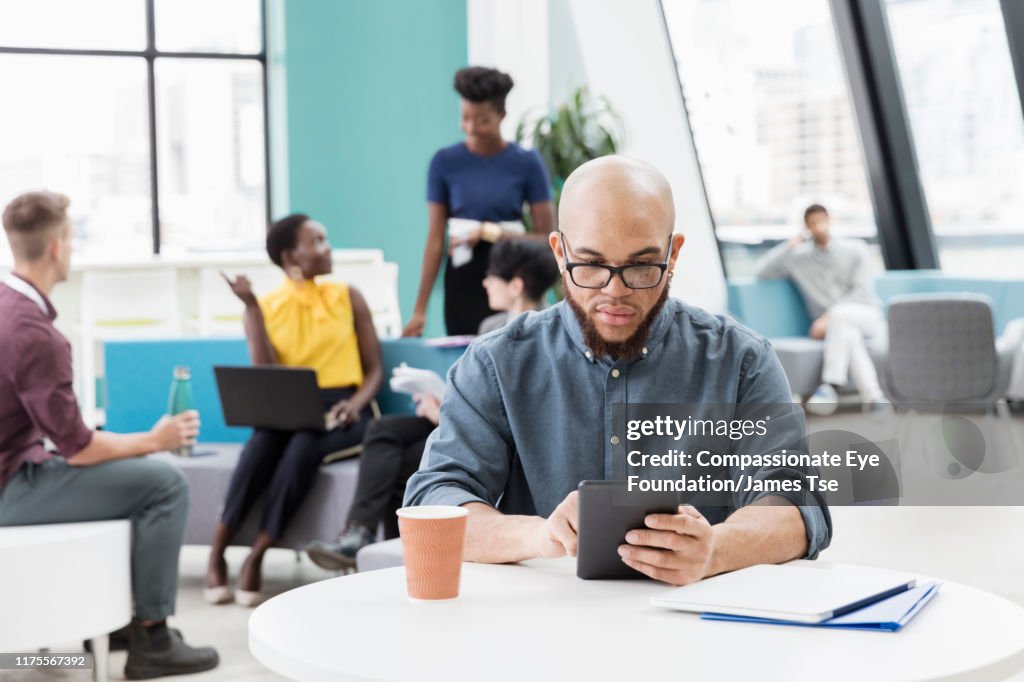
(151, 443)
(716, 564)
(535, 537)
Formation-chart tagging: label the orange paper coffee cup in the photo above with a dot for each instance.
(432, 539)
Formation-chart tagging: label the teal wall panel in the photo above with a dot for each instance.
(369, 100)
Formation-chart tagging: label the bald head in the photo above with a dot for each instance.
(616, 193)
(616, 213)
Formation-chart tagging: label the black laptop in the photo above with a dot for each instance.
(285, 398)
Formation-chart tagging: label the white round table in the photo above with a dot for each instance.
(536, 620)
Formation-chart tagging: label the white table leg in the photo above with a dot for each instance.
(101, 657)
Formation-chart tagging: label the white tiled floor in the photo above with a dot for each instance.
(980, 546)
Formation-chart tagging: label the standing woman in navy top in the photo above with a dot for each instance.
(484, 179)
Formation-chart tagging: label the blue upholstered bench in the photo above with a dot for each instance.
(775, 309)
(138, 379)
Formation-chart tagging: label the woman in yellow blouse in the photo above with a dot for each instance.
(304, 323)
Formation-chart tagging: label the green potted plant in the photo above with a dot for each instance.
(583, 128)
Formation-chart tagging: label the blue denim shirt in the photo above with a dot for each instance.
(527, 414)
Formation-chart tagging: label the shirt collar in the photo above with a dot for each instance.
(29, 291)
(654, 337)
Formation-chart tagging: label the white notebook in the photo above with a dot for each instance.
(800, 591)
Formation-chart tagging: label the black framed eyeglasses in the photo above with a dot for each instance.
(596, 276)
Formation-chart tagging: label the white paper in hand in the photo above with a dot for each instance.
(461, 227)
(410, 380)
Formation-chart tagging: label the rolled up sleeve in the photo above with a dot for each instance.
(43, 381)
(467, 457)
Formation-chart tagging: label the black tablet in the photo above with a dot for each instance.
(607, 512)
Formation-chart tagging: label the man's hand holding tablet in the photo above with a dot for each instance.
(674, 548)
(558, 534)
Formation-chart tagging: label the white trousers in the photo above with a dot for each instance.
(1014, 334)
(850, 327)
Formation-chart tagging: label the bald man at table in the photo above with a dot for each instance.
(526, 414)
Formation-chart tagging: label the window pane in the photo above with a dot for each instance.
(772, 120)
(211, 154)
(965, 117)
(96, 24)
(232, 26)
(78, 125)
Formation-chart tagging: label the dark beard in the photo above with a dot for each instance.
(616, 350)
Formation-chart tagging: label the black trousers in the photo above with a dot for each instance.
(392, 451)
(465, 299)
(284, 463)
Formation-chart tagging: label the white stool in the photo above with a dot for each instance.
(65, 582)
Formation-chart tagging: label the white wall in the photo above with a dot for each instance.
(627, 57)
(512, 35)
(620, 49)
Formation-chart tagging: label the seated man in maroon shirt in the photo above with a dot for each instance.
(93, 475)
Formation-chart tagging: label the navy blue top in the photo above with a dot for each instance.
(487, 187)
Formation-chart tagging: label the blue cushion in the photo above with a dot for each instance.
(138, 377)
(770, 307)
(774, 307)
(414, 353)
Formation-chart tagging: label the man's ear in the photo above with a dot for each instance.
(53, 246)
(677, 245)
(516, 287)
(556, 248)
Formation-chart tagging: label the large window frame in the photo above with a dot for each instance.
(905, 231)
(151, 54)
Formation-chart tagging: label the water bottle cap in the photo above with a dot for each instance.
(182, 372)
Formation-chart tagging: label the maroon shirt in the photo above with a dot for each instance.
(36, 398)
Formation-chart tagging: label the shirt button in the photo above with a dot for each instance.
(589, 355)
(615, 440)
(615, 374)
(643, 351)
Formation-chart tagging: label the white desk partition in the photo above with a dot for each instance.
(220, 311)
(133, 303)
(379, 286)
(537, 621)
(168, 295)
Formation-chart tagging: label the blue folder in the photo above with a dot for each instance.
(887, 615)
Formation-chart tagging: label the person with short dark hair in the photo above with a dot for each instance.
(85, 475)
(482, 183)
(835, 280)
(520, 273)
(305, 323)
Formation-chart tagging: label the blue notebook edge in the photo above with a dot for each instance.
(847, 621)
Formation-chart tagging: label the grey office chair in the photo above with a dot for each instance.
(942, 351)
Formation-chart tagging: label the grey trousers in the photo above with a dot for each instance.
(152, 494)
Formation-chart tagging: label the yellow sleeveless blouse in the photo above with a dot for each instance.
(311, 324)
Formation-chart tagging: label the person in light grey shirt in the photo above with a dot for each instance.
(528, 410)
(834, 278)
